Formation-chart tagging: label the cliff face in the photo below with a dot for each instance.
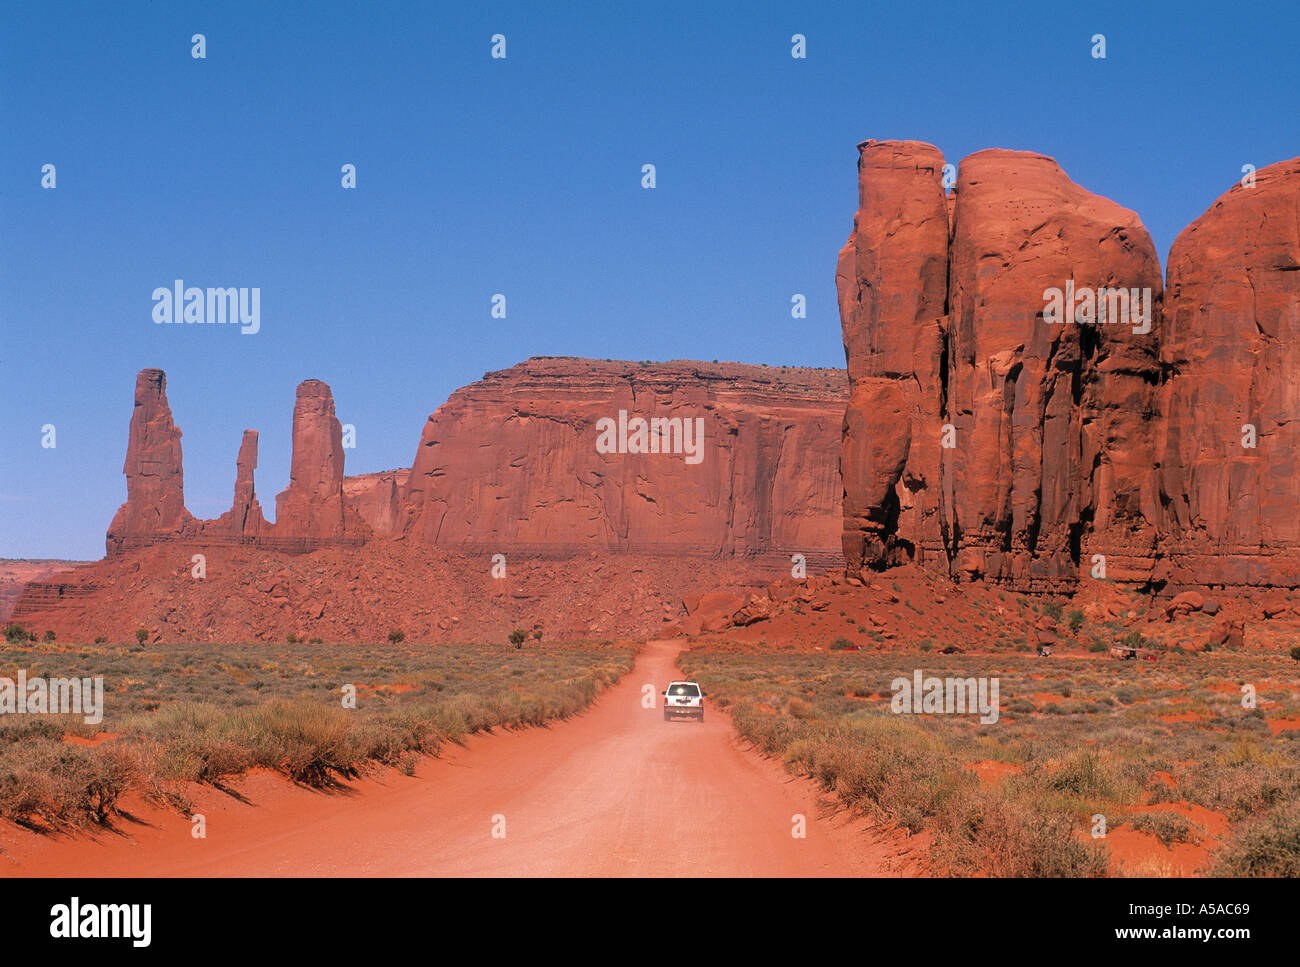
(1054, 450)
(1045, 406)
(1232, 348)
(565, 456)
(892, 281)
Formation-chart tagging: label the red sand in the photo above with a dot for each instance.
(1144, 853)
(1183, 717)
(1280, 725)
(614, 791)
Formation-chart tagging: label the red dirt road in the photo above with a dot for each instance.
(615, 791)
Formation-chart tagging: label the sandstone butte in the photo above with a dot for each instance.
(510, 465)
(1070, 442)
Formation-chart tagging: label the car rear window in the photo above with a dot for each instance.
(682, 688)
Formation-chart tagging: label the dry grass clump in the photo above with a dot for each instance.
(185, 714)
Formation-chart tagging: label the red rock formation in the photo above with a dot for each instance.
(892, 280)
(511, 464)
(312, 506)
(377, 498)
(155, 488)
(245, 516)
(1052, 455)
(312, 511)
(1232, 348)
(15, 575)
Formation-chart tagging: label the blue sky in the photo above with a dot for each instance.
(519, 176)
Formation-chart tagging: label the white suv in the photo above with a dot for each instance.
(683, 699)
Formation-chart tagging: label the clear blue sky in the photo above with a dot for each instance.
(478, 176)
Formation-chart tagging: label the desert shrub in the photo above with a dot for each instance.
(841, 644)
(291, 639)
(307, 742)
(1167, 826)
(193, 744)
(396, 637)
(141, 634)
(57, 785)
(798, 708)
(100, 640)
(1053, 610)
(1266, 847)
(983, 833)
(49, 635)
(1085, 775)
(1295, 652)
(1075, 620)
(517, 637)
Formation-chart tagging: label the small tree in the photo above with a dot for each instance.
(517, 637)
(537, 634)
(141, 634)
(100, 640)
(291, 638)
(1076, 620)
(15, 632)
(396, 637)
(1295, 652)
(49, 634)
